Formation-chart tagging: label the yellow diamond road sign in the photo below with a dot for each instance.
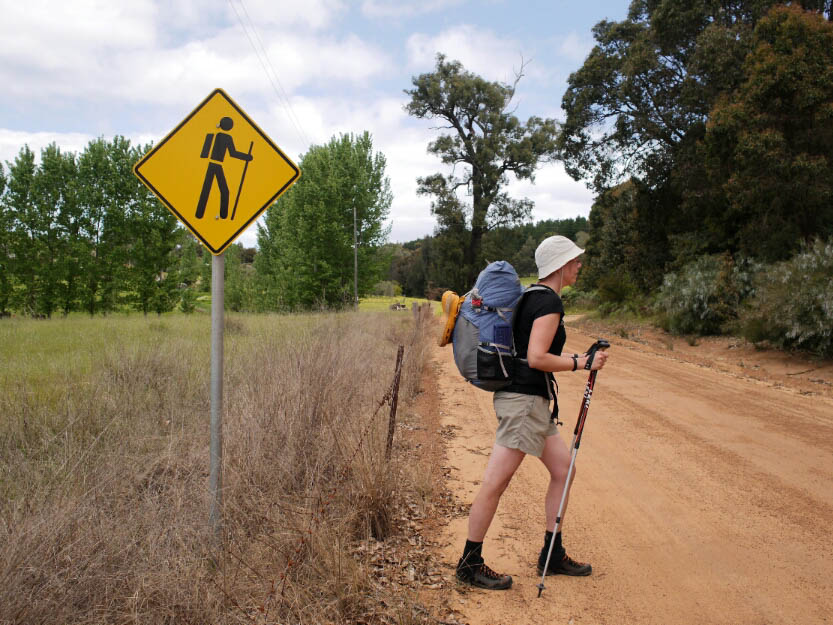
(217, 171)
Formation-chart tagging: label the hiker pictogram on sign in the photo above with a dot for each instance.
(201, 172)
(216, 153)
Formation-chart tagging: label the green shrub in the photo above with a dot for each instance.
(705, 295)
(188, 301)
(574, 298)
(793, 304)
(617, 295)
(615, 288)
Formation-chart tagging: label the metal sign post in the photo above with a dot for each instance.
(195, 184)
(217, 319)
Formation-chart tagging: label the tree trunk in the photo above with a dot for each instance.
(478, 227)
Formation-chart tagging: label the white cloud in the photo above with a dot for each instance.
(400, 139)
(347, 60)
(68, 39)
(134, 53)
(556, 195)
(12, 141)
(575, 47)
(480, 51)
(405, 8)
(312, 14)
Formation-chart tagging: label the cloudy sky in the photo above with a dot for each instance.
(304, 71)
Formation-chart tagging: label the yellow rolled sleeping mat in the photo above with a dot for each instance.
(451, 303)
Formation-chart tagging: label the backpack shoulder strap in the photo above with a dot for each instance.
(530, 289)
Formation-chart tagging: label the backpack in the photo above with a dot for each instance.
(482, 336)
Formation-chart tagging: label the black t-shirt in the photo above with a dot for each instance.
(536, 304)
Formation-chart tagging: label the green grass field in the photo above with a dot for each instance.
(384, 303)
(104, 466)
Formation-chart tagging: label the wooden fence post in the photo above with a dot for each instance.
(394, 401)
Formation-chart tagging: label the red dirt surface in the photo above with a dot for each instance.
(704, 490)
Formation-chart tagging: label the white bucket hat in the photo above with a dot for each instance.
(553, 253)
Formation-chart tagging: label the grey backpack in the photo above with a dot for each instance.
(484, 347)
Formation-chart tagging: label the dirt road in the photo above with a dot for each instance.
(702, 496)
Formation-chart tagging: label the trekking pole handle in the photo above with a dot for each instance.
(599, 345)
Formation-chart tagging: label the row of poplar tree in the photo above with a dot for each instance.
(79, 232)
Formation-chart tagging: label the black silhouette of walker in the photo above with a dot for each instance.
(222, 143)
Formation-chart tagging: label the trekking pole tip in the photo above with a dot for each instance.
(540, 589)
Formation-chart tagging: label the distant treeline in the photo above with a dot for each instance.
(428, 266)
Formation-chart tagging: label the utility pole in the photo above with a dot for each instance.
(355, 262)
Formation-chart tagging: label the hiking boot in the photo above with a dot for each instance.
(565, 566)
(482, 576)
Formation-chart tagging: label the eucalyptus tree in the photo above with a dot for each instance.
(645, 91)
(768, 150)
(638, 109)
(485, 144)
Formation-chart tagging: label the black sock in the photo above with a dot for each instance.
(557, 548)
(472, 554)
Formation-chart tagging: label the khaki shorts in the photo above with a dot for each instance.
(523, 422)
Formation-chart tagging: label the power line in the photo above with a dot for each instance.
(266, 64)
(275, 74)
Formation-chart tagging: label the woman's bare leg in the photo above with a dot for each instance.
(556, 458)
(499, 471)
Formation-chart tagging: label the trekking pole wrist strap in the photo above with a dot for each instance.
(575, 361)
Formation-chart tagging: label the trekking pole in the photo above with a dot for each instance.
(242, 178)
(602, 345)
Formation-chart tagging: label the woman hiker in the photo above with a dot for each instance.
(525, 423)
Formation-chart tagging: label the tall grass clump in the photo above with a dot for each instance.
(704, 297)
(793, 303)
(104, 467)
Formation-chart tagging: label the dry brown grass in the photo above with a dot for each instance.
(104, 474)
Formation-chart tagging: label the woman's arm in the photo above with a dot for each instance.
(540, 339)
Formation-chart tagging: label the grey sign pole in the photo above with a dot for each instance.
(216, 471)
(355, 263)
